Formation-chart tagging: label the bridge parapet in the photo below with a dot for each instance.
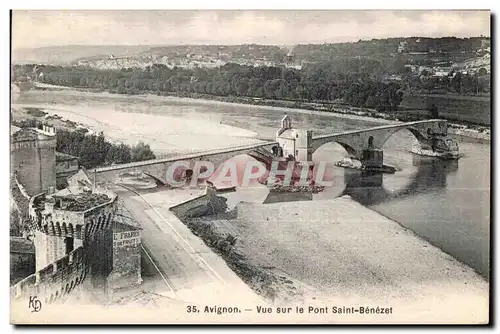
(159, 168)
(301, 144)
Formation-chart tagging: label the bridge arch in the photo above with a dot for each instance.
(356, 141)
(417, 134)
(158, 169)
(348, 148)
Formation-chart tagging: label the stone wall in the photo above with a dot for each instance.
(47, 156)
(207, 204)
(64, 170)
(98, 243)
(33, 160)
(54, 282)
(91, 230)
(51, 247)
(126, 258)
(25, 162)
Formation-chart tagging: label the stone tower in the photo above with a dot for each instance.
(66, 221)
(33, 158)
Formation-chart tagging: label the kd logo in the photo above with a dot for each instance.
(35, 304)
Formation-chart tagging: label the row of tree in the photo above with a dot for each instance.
(95, 151)
(352, 80)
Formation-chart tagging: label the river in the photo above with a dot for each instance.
(446, 203)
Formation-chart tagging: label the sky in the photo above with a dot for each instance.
(36, 28)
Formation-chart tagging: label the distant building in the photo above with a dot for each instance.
(425, 68)
(412, 68)
(443, 71)
(391, 78)
(402, 46)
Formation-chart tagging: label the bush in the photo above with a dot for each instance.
(95, 151)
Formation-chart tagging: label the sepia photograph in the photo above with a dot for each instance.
(250, 167)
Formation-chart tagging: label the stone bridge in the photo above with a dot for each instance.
(364, 145)
(158, 168)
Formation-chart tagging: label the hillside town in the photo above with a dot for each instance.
(471, 60)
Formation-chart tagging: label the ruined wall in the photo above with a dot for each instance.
(54, 282)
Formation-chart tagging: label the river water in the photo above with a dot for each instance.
(446, 203)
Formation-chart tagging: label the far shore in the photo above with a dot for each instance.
(338, 111)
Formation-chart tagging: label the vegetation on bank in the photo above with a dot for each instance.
(350, 81)
(94, 150)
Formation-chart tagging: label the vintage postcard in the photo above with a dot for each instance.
(250, 167)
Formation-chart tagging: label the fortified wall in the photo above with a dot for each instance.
(81, 236)
(54, 282)
(72, 229)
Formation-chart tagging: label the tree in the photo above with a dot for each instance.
(456, 82)
(119, 154)
(141, 152)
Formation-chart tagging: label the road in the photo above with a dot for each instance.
(189, 270)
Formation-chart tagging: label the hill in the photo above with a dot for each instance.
(422, 51)
(63, 55)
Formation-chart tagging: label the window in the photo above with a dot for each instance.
(70, 244)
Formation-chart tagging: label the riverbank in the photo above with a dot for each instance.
(167, 135)
(337, 252)
(343, 111)
(336, 109)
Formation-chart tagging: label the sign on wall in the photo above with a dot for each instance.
(122, 239)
